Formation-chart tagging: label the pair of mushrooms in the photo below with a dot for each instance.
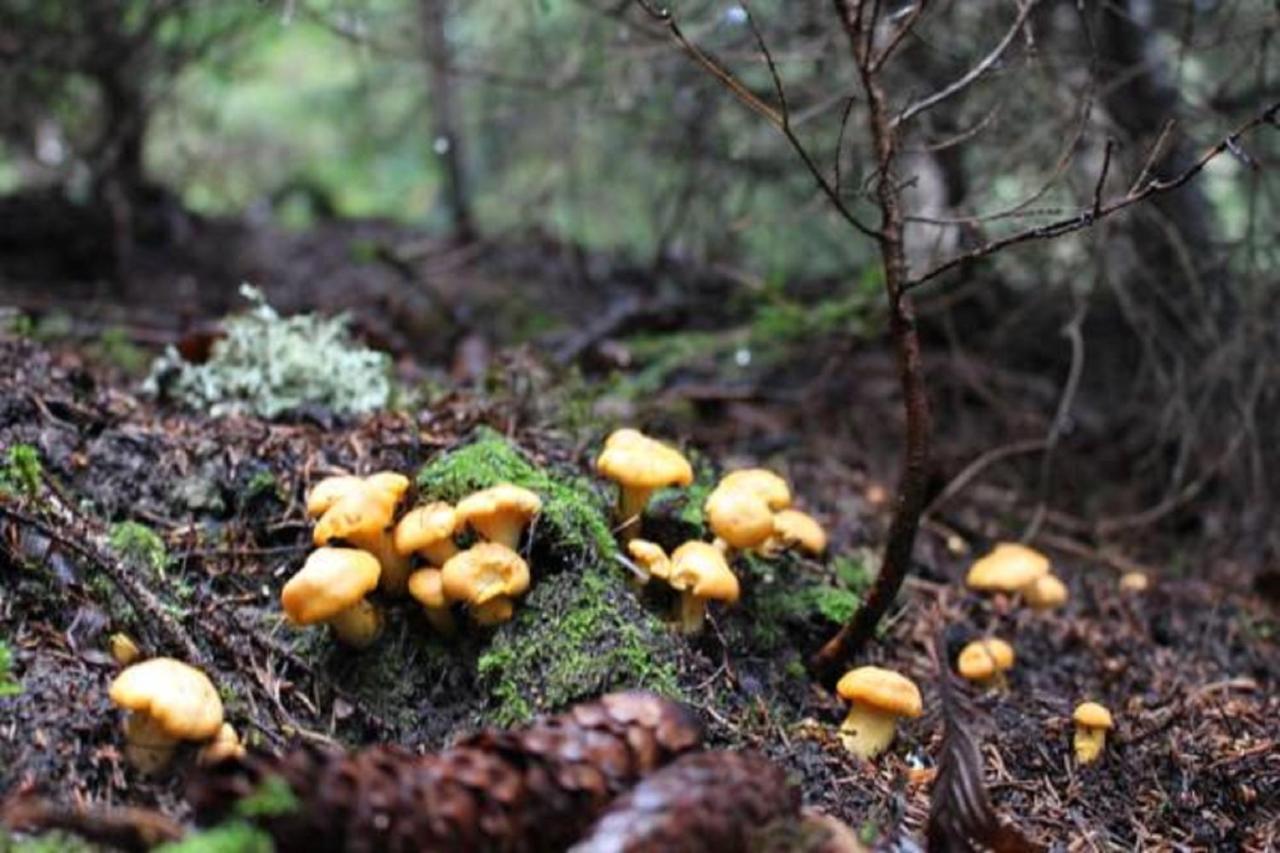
(332, 584)
(169, 702)
(1014, 568)
(696, 570)
(751, 509)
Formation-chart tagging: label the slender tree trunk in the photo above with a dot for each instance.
(446, 139)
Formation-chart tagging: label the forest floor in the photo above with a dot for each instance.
(180, 529)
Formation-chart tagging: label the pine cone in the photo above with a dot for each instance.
(529, 790)
(706, 801)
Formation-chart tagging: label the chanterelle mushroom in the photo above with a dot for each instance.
(388, 484)
(428, 530)
(985, 661)
(640, 466)
(500, 513)
(427, 586)
(700, 574)
(1009, 567)
(1045, 592)
(486, 577)
(795, 529)
(765, 484)
(169, 701)
(1092, 722)
(362, 518)
(651, 558)
(878, 698)
(739, 518)
(330, 588)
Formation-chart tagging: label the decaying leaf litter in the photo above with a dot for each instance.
(1193, 761)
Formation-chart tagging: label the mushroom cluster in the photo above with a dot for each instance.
(750, 510)
(363, 547)
(1013, 568)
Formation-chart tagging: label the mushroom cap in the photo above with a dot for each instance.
(329, 582)
(700, 569)
(1008, 568)
(882, 689)
(633, 460)
(799, 528)
(427, 586)
(329, 491)
(425, 526)
(390, 484)
(984, 658)
(771, 488)
(1046, 591)
(651, 556)
(362, 513)
(1092, 715)
(178, 697)
(503, 499)
(1134, 581)
(484, 572)
(741, 518)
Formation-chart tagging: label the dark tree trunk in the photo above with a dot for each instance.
(446, 139)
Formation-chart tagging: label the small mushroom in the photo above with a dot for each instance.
(640, 466)
(765, 484)
(482, 576)
(225, 745)
(1009, 567)
(428, 530)
(1134, 582)
(1046, 592)
(169, 701)
(427, 587)
(985, 661)
(795, 529)
(323, 495)
(362, 518)
(330, 588)
(650, 557)
(500, 513)
(1092, 722)
(700, 574)
(123, 649)
(740, 519)
(878, 697)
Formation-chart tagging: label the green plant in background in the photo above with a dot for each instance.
(21, 472)
(9, 686)
(139, 543)
(268, 364)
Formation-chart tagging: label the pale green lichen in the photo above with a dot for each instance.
(267, 365)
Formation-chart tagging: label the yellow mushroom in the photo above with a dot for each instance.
(1009, 567)
(330, 588)
(795, 529)
(225, 745)
(985, 661)
(500, 513)
(877, 697)
(1045, 592)
(640, 466)
(1092, 722)
(169, 701)
(428, 530)
(700, 574)
(1134, 582)
(362, 518)
(765, 484)
(486, 578)
(740, 519)
(323, 495)
(123, 649)
(651, 558)
(427, 587)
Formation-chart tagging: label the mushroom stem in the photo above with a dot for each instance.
(631, 503)
(148, 748)
(692, 613)
(441, 620)
(504, 531)
(439, 553)
(395, 568)
(359, 625)
(1088, 743)
(867, 732)
(495, 611)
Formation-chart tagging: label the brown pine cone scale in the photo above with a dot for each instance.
(534, 789)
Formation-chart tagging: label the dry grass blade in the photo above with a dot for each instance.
(961, 817)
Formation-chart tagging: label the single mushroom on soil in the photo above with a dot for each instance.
(700, 574)
(486, 578)
(878, 698)
(330, 588)
(795, 529)
(428, 532)
(1092, 723)
(361, 516)
(985, 661)
(169, 701)
(499, 514)
(640, 466)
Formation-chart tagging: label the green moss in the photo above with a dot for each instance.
(9, 686)
(234, 836)
(576, 636)
(785, 601)
(49, 842)
(21, 473)
(573, 512)
(139, 544)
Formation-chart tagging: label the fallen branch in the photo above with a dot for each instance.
(122, 828)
